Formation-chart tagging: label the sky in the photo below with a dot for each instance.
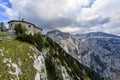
(73, 16)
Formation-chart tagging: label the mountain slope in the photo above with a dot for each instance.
(16, 59)
(23, 61)
(99, 51)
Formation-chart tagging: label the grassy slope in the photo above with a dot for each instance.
(14, 50)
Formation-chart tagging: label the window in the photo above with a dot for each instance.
(29, 26)
(11, 25)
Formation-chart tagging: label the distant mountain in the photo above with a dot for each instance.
(96, 35)
(23, 61)
(99, 51)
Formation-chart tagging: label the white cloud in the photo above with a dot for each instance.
(46, 9)
(65, 14)
(69, 29)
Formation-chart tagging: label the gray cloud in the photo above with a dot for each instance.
(68, 15)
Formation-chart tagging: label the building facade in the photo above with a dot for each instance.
(31, 28)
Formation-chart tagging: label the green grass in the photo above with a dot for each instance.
(3, 35)
(13, 50)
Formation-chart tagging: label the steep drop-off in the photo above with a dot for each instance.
(23, 61)
(96, 50)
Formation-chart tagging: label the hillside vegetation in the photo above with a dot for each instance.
(39, 58)
(16, 52)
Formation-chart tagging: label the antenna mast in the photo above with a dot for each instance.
(19, 15)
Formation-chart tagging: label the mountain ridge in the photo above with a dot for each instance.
(99, 51)
(22, 60)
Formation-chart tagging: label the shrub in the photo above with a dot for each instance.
(39, 40)
(27, 38)
(20, 29)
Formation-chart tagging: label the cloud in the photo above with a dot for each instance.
(73, 16)
(91, 2)
(70, 29)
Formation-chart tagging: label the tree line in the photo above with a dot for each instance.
(2, 27)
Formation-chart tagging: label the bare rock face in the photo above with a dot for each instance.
(99, 51)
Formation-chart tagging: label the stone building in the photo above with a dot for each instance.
(31, 28)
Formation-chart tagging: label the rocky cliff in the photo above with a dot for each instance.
(98, 51)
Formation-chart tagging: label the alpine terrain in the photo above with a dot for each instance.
(39, 58)
(96, 50)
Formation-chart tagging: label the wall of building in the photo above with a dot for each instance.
(37, 30)
(31, 29)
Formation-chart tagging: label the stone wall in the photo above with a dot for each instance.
(31, 29)
(37, 30)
